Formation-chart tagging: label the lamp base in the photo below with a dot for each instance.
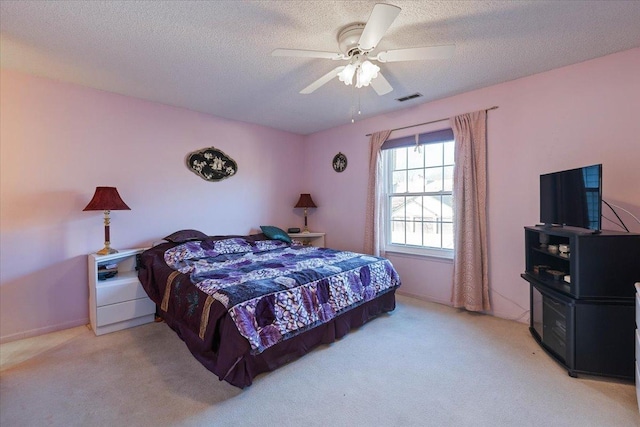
(106, 251)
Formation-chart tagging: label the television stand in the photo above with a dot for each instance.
(583, 302)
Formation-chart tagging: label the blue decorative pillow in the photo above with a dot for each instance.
(275, 233)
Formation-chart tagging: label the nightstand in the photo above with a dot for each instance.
(117, 302)
(309, 239)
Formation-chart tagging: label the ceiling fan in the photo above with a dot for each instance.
(356, 43)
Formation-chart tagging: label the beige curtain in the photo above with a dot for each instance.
(374, 222)
(470, 275)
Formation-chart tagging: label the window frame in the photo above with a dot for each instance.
(387, 162)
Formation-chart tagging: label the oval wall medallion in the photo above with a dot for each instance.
(211, 164)
(339, 162)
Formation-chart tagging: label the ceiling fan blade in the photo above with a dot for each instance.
(416, 53)
(382, 16)
(322, 80)
(381, 85)
(307, 54)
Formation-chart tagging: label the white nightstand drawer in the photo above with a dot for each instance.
(124, 311)
(108, 292)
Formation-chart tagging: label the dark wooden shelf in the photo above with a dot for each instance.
(559, 255)
(559, 285)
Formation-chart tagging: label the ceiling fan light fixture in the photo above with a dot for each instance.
(366, 72)
(346, 75)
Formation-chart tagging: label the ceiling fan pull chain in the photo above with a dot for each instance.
(353, 107)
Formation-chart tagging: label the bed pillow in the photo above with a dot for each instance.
(275, 233)
(185, 236)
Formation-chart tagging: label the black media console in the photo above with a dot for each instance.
(583, 297)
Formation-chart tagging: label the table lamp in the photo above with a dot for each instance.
(305, 202)
(106, 199)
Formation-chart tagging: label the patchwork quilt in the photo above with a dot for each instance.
(274, 290)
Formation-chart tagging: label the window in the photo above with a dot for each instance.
(419, 200)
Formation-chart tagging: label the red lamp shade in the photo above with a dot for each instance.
(305, 201)
(106, 199)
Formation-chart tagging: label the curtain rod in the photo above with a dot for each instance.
(432, 121)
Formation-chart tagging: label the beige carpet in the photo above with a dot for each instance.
(423, 365)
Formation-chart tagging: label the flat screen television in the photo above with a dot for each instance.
(572, 197)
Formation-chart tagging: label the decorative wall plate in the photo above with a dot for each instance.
(339, 162)
(211, 164)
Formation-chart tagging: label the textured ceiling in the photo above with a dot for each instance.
(214, 57)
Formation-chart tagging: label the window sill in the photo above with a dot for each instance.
(442, 254)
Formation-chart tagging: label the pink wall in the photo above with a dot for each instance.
(569, 117)
(59, 141)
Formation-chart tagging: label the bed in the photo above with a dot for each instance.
(245, 305)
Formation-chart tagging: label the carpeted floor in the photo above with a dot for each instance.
(422, 365)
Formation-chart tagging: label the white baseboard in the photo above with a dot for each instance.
(44, 330)
(423, 298)
(524, 318)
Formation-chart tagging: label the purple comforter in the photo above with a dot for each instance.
(246, 305)
(274, 290)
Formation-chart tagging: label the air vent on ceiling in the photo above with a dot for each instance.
(408, 97)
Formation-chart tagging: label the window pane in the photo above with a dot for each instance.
(415, 158)
(400, 158)
(447, 208)
(447, 235)
(448, 153)
(398, 208)
(416, 180)
(432, 236)
(431, 208)
(433, 179)
(399, 182)
(433, 154)
(414, 208)
(397, 232)
(448, 178)
(414, 233)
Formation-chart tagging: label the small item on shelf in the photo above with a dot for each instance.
(544, 240)
(539, 269)
(107, 271)
(567, 278)
(109, 266)
(563, 248)
(553, 249)
(293, 230)
(557, 275)
(107, 274)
